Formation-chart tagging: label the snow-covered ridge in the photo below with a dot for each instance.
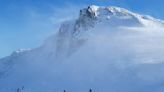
(20, 51)
(112, 16)
(100, 12)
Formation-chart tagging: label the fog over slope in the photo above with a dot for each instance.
(108, 49)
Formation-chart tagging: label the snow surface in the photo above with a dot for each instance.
(108, 49)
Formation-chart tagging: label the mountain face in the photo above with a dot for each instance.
(108, 49)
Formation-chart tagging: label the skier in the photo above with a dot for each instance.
(90, 90)
(18, 90)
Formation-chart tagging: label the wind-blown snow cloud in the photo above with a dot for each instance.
(136, 54)
(67, 13)
(36, 26)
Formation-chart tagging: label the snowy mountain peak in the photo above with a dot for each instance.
(118, 16)
(99, 11)
(111, 9)
(93, 8)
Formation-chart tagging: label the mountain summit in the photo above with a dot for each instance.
(93, 16)
(97, 50)
(117, 16)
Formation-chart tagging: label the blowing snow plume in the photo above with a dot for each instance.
(108, 49)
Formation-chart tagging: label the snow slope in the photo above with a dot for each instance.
(108, 49)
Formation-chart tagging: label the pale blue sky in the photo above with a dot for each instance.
(26, 23)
